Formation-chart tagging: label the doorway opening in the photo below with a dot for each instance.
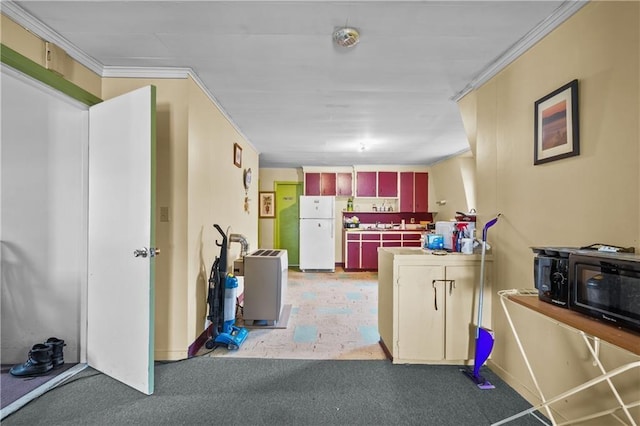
(286, 229)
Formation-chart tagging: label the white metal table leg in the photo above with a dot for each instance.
(605, 376)
(580, 388)
(526, 361)
(595, 352)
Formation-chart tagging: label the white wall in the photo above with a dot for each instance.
(43, 216)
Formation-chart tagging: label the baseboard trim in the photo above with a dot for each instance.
(199, 342)
(524, 391)
(386, 350)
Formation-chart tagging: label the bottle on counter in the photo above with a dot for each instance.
(350, 204)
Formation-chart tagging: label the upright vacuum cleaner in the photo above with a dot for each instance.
(484, 337)
(222, 303)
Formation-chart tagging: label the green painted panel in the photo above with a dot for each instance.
(25, 65)
(287, 219)
(152, 263)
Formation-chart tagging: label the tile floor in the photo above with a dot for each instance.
(333, 316)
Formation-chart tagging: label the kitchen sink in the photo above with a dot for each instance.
(383, 228)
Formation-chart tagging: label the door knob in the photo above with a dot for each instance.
(145, 252)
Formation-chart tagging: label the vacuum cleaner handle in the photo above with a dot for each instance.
(489, 225)
(224, 237)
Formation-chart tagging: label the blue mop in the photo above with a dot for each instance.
(484, 337)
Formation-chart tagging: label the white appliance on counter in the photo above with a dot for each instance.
(265, 285)
(317, 233)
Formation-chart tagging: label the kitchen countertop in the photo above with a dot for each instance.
(382, 230)
(417, 251)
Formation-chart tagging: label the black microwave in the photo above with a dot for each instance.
(606, 286)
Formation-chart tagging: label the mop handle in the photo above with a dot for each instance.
(489, 225)
(484, 249)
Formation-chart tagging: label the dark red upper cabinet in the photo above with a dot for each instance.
(406, 191)
(414, 195)
(366, 184)
(421, 192)
(387, 184)
(312, 184)
(328, 184)
(344, 186)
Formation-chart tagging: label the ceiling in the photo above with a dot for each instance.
(299, 99)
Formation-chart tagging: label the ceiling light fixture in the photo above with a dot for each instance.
(346, 37)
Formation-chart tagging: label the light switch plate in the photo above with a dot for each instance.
(164, 214)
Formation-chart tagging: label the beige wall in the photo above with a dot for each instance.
(32, 47)
(453, 182)
(215, 196)
(594, 197)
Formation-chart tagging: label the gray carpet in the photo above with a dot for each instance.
(236, 391)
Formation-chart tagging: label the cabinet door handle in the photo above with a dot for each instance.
(435, 294)
(452, 285)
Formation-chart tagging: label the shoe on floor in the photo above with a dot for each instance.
(56, 345)
(38, 363)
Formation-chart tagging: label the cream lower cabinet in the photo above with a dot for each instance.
(428, 305)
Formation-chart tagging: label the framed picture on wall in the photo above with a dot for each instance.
(237, 155)
(267, 204)
(556, 130)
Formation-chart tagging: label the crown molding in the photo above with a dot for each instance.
(172, 72)
(213, 99)
(146, 72)
(561, 14)
(40, 29)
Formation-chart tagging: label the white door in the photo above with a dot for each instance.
(120, 293)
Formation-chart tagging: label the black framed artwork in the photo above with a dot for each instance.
(237, 155)
(267, 204)
(556, 130)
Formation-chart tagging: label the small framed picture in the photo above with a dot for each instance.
(267, 205)
(556, 130)
(237, 155)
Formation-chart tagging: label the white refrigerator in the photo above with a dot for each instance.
(317, 233)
